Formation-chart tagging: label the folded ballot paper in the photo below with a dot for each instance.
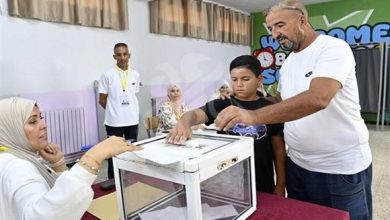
(163, 153)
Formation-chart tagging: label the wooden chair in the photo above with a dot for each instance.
(151, 125)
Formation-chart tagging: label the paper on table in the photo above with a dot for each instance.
(168, 213)
(164, 153)
(208, 213)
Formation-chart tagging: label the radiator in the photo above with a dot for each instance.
(66, 127)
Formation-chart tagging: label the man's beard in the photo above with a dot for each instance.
(289, 45)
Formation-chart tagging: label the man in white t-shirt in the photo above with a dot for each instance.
(329, 159)
(117, 95)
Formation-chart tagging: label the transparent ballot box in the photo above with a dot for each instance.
(211, 178)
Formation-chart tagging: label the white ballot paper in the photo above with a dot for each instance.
(209, 213)
(163, 153)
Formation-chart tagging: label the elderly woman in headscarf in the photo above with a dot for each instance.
(171, 111)
(224, 90)
(35, 182)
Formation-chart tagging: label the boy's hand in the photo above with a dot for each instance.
(179, 134)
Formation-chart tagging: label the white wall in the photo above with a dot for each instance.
(42, 57)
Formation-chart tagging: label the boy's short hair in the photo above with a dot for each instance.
(246, 61)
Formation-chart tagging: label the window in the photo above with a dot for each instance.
(198, 19)
(94, 13)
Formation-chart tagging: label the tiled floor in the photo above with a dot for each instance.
(380, 144)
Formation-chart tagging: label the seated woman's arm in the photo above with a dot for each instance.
(31, 198)
(25, 194)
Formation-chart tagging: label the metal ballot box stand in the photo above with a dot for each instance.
(216, 181)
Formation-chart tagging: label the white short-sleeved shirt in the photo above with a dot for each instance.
(26, 195)
(335, 139)
(118, 114)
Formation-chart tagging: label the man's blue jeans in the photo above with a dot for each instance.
(351, 193)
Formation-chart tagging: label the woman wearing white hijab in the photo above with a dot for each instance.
(34, 180)
(171, 111)
(224, 90)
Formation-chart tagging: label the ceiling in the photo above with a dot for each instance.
(257, 5)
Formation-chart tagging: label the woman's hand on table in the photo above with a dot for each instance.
(110, 147)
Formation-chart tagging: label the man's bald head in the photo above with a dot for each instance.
(292, 5)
